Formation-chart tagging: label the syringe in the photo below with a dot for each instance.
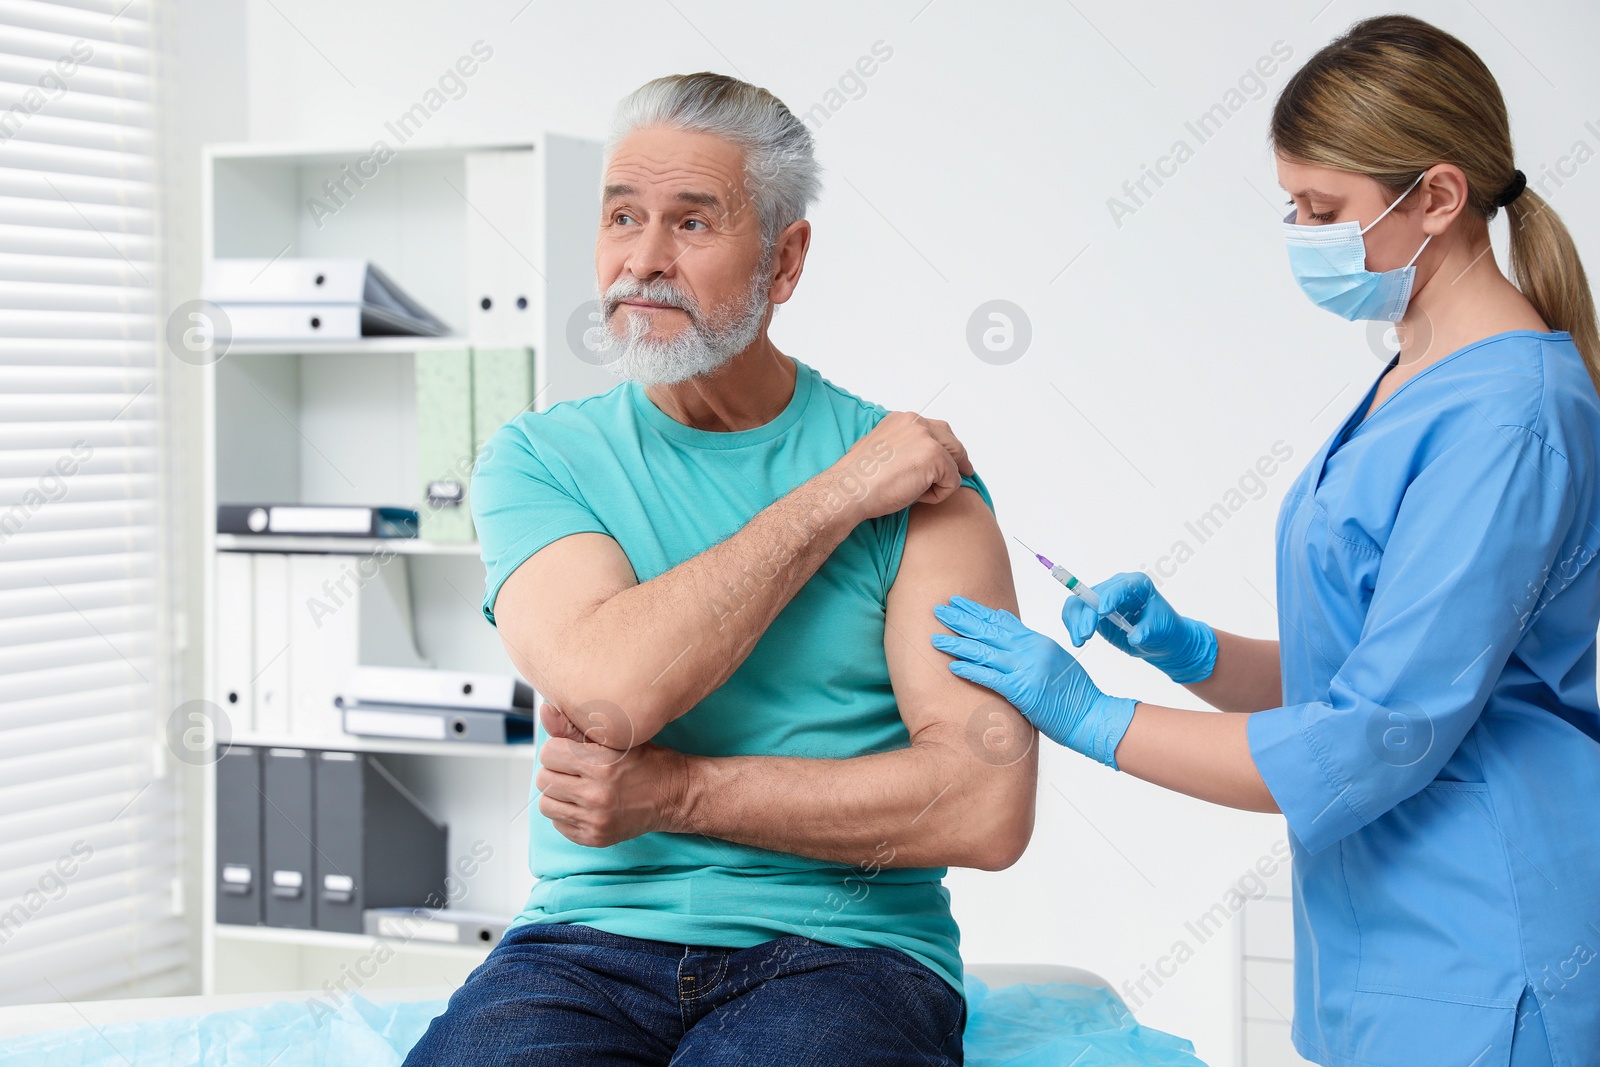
(1085, 592)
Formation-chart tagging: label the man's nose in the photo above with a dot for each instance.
(654, 254)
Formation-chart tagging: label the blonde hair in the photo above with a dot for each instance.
(1394, 96)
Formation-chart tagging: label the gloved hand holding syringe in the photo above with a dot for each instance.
(1087, 593)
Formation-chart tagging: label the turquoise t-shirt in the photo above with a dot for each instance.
(815, 685)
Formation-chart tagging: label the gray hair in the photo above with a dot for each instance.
(780, 166)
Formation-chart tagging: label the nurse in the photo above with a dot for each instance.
(1427, 719)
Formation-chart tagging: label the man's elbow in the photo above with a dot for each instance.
(1003, 844)
(999, 834)
(618, 717)
(616, 704)
(991, 822)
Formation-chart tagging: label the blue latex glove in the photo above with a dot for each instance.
(1185, 650)
(1038, 677)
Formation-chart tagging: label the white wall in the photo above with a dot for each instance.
(977, 164)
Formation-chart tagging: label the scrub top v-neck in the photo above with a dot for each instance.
(1360, 414)
(1438, 754)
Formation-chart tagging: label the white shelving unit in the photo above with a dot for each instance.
(334, 422)
(1264, 943)
(365, 346)
(360, 943)
(344, 546)
(394, 746)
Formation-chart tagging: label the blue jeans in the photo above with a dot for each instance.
(560, 993)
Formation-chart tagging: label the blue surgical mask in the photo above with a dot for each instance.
(1330, 263)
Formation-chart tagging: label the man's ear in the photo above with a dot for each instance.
(789, 259)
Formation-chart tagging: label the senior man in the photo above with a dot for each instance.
(721, 576)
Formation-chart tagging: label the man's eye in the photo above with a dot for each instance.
(622, 218)
(695, 223)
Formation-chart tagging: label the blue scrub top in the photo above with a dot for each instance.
(1438, 757)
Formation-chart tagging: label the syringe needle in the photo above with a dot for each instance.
(1077, 588)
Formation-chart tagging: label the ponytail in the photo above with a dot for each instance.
(1394, 96)
(1546, 267)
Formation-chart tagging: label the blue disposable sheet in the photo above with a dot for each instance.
(1055, 1023)
(1015, 1026)
(359, 1033)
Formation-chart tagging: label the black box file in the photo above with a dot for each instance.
(286, 828)
(239, 836)
(376, 845)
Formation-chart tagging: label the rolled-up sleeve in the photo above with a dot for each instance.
(1465, 565)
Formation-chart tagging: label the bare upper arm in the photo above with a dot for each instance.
(953, 547)
(552, 589)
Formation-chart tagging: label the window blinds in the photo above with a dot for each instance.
(89, 901)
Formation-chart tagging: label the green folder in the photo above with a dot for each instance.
(502, 389)
(445, 444)
(463, 397)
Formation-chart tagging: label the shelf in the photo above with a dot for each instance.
(339, 421)
(343, 546)
(399, 345)
(282, 935)
(344, 152)
(395, 745)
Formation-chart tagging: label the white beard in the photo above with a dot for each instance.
(700, 347)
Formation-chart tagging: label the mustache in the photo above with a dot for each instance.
(658, 291)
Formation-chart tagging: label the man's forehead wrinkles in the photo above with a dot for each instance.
(664, 171)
